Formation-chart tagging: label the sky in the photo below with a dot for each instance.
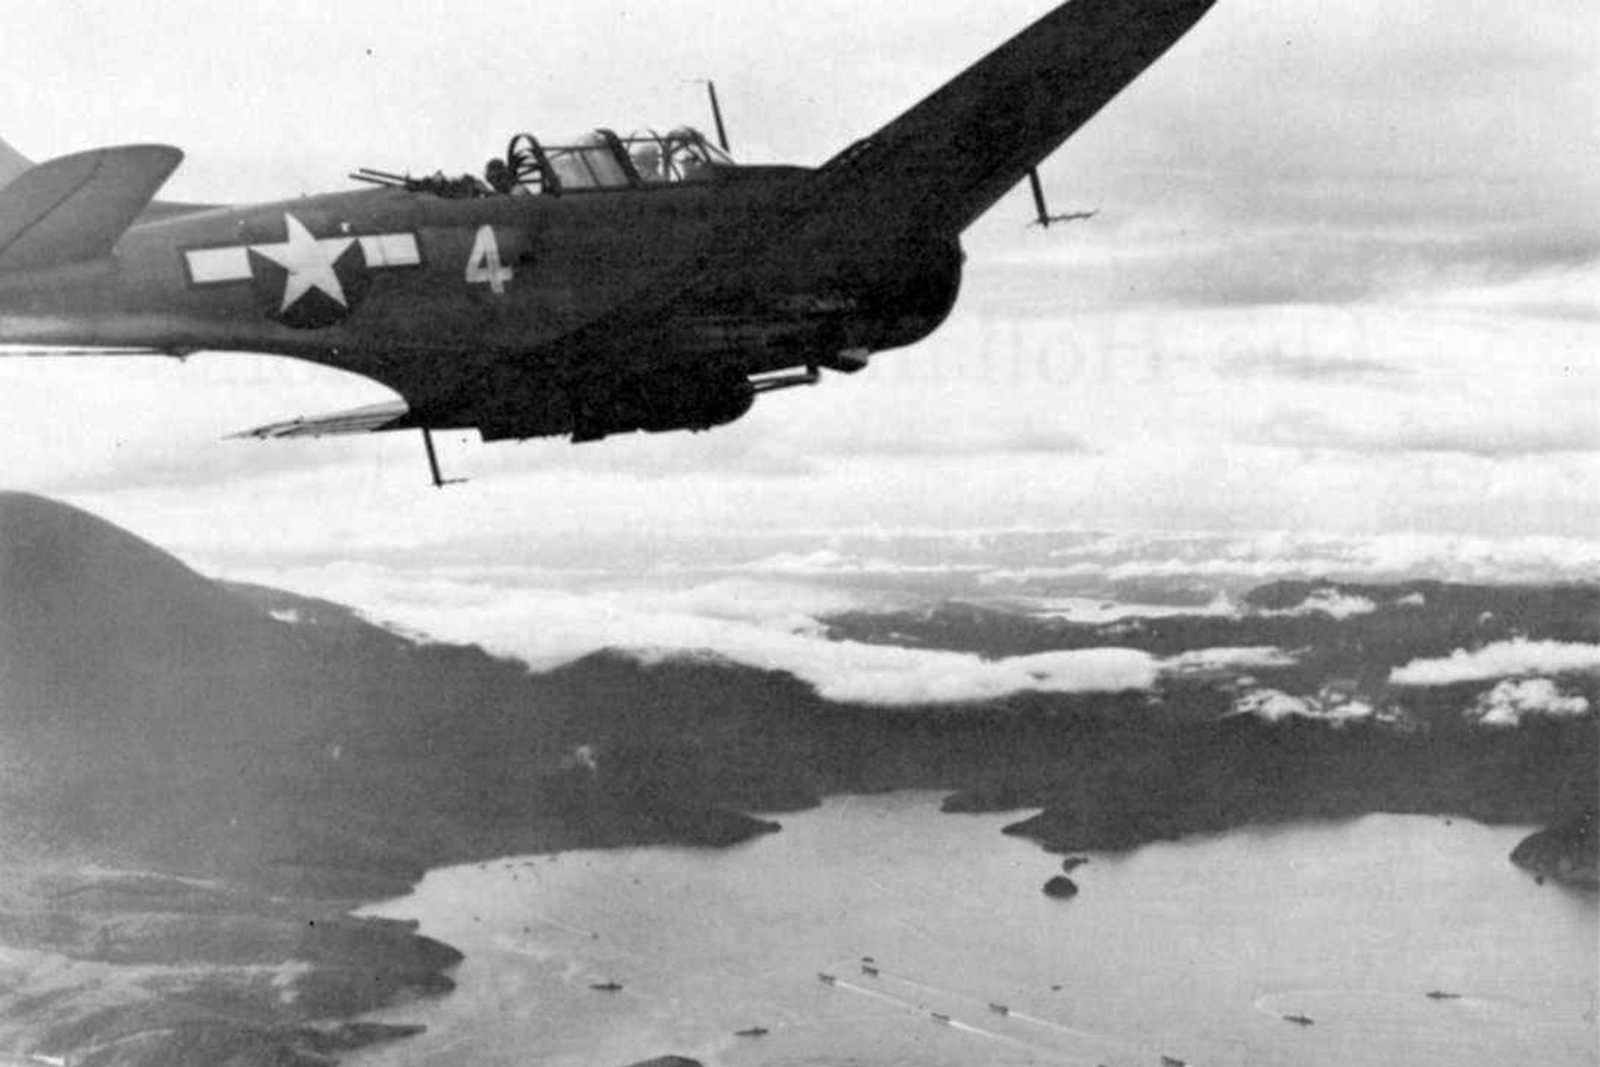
(1344, 282)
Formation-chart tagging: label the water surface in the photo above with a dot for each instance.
(1195, 950)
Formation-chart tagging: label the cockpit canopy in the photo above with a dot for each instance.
(602, 160)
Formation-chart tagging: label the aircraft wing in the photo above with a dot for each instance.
(949, 158)
(389, 415)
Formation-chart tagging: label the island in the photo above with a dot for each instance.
(1061, 888)
(1566, 852)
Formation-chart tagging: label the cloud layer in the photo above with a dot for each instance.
(1502, 659)
(764, 624)
(768, 625)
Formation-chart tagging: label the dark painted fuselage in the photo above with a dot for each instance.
(711, 280)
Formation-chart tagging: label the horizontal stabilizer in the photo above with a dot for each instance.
(77, 207)
(389, 415)
(948, 159)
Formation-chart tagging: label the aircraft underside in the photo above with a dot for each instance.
(703, 365)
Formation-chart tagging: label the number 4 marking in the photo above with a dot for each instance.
(483, 263)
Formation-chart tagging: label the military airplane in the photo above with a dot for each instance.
(603, 285)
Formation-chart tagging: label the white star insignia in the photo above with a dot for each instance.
(309, 262)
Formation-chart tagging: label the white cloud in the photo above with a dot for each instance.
(1571, 293)
(1064, 560)
(1210, 660)
(849, 671)
(771, 605)
(1330, 602)
(1508, 703)
(1329, 705)
(1092, 611)
(1500, 660)
(831, 561)
(1254, 558)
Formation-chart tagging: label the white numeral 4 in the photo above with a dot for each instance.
(483, 264)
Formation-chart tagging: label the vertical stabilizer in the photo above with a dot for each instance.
(75, 208)
(12, 163)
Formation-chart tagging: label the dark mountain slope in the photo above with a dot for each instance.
(153, 715)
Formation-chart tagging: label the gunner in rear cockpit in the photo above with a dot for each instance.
(499, 176)
(683, 155)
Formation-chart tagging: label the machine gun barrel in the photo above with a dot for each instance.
(383, 178)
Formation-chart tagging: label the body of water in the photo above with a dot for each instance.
(1196, 950)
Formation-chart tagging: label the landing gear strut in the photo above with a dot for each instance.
(1045, 219)
(439, 480)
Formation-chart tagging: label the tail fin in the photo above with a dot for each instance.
(947, 160)
(75, 208)
(12, 163)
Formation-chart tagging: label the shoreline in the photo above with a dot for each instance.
(566, 945)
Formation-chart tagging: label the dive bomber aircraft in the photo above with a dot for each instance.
(601, 286)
